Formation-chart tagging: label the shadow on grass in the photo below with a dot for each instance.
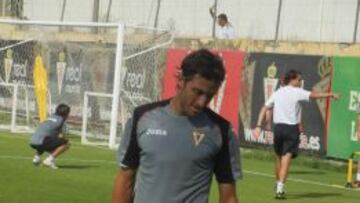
(307, 172)
(67, 166)
(312, 195)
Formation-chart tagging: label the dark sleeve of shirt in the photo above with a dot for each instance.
(129, 151)
(227, 162)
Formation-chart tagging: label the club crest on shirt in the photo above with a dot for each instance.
(198, 136)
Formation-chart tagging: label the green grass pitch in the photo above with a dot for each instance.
(87, 175)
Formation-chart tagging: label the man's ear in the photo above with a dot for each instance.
(180, 83)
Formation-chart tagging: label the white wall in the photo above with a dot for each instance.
(255, 19)
(76, 10)
(318, 20)
(304, 20)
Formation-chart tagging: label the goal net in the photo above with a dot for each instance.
(101, 70)
(18, 110)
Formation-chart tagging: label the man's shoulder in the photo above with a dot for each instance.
(216, 118)
(292, 89)
(229, 26)
(280, 90)
(140, 110)
(55, 117)
(52, 119)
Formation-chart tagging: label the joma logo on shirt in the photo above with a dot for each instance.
(155, 132)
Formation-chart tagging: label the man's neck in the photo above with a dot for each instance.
(291, 85)
(175, 106)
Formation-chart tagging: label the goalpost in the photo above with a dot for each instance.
(101, 70)
(98, 135)
(8, 115)
(17, 107)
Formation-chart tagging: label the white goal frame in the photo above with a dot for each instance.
(12, 124)
(14, 127)
(84, 131)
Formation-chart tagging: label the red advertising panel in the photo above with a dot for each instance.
(226, 102)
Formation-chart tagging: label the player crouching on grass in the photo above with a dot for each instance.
(49, 137)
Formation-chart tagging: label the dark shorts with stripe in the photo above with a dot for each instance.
(286, 139)
(49, 144)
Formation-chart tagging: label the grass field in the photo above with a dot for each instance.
(87, 174)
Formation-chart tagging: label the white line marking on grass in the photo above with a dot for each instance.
(80, 145)
(72, 142)
(299, 180)
(246, 171)
(61, 159)
(14, 136)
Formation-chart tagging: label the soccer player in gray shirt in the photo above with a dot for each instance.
(174, 147)
(49, 137)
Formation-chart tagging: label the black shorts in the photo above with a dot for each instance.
(50, 143)
(286, 139)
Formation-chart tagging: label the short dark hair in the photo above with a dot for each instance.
(223, 17)
(290, 75)
(62, 110)
(204, 63)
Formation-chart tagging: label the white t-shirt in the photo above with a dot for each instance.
(286, 104)
(226, 32)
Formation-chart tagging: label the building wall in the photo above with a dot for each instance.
(305, 20)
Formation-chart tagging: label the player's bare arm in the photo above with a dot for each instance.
(227, 193)
(268, 119)
(124, 186)
(320, 95)
(264, 115)
(212, 11)
(61, 135)
(261, 118)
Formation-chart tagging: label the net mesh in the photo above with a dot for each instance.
(80, 59)
(98, 120)
(144, 54)
(6, 104)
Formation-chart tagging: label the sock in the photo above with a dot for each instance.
(358, 176)
(51, 158)
(37, 158)
(279, 187)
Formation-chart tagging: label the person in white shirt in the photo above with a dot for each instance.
(286, 106)
(225, 29)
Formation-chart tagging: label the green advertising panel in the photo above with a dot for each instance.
(343, 138)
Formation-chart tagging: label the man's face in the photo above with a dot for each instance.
(221, 22)
(195, 94)
(297, 82)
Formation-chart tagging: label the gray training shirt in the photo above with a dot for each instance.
(52, 126)
(176, 156)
